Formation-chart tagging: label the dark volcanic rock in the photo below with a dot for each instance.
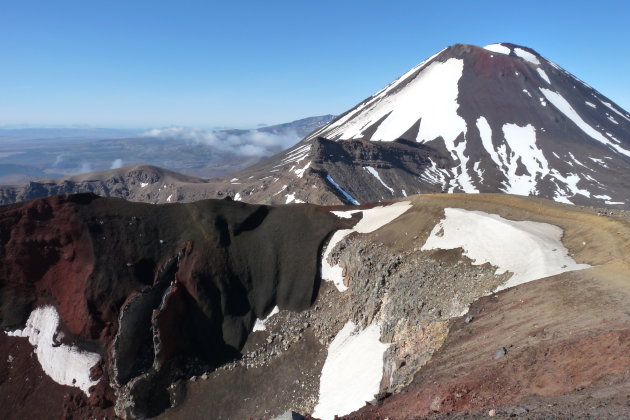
(161, 292)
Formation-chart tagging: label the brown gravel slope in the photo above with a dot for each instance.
(567, 337)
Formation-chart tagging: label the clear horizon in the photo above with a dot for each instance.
(157, 64)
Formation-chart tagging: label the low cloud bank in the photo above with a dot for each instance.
(244, 143)
(117, 163)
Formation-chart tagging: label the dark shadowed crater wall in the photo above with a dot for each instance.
(160, 291)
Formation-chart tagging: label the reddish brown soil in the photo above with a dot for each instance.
(563, 335)
(227, 263)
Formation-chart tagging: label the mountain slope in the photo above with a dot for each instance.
(199, 307)
(499, 119)
(495, 119)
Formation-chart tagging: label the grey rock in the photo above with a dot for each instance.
(500, 353)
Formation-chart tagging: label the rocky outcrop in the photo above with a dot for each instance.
(160, 292)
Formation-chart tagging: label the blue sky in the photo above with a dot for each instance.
(241, 63)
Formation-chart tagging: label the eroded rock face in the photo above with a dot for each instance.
(160, 292)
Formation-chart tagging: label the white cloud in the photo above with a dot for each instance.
(245, 143)
(85, 167)
(117, 163)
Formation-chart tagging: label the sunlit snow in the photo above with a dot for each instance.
(66, 365)
(261, 324)
(374, 173)
(352, 371)
(498, 48)
(526, 55)
(542, 74)
(372, 220)
(563, 106)
(529, 250)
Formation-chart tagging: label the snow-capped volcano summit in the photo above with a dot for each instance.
(496, 119)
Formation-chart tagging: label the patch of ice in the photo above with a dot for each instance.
(435, 175)
(485, 131)
(526, 55)
(527, 92)
(404, 193)
(462, 177)
(295, 155)
(599, 161)
(237, 197)
(375, 174)
(168, 199)
(522, 143)
(292, 199)
(571, 181)
(260, 324)
(377, 217)
(529, 250)
(66, 365)
(612, 119)
(612, 108)
(284, 187)
(615, 202)
(542, 74)
(233, 179)
(300, 172)
(335, 126)
(345, 214)
(563, 106)
(372, 220)
(592, 105)
(143, 184)
(603, 197)
(342, 191)
(498, 48)
(430, 97)
(329, 271)
(352, 371)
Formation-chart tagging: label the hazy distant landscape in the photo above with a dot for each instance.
(30, 154)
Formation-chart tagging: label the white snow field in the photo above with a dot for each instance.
(498, 48)
(563, 106)
(375, 174)
(431, 95)
(352, 371)
(373, 219)
(529, 250)
(66, 365)
(526, 55)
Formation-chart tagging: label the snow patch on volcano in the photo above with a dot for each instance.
(372, 220)
(563, 106)
(526, 55)
(612, 108)
(529, 250)
(523, 148)
(352, 371)
(66, 365)
(431, 96)
(375, 174)
(261, 324)
(498, 48)
(542, 74)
